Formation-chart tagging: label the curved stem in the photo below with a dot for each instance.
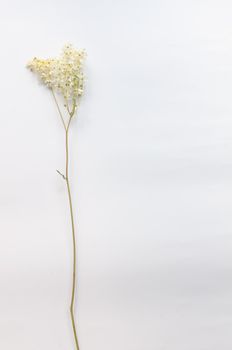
(73, 235)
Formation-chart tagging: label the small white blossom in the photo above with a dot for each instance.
(64, 75)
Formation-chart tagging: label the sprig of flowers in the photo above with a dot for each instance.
(63, 75)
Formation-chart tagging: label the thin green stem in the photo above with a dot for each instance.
(73, 234)
(66, 178)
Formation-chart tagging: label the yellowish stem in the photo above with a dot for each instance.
(66, 178)
(73, 235)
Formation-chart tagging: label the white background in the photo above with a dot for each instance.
(151, 172)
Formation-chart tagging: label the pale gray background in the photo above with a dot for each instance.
(151, 175)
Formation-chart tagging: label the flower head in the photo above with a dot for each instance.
(64, 74)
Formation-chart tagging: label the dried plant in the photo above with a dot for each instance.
(64, 77)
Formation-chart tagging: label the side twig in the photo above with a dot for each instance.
(61, 174)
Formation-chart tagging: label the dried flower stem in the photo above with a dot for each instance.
(73, 235)
(66, 178)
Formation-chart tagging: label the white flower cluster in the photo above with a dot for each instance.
(64, 75)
